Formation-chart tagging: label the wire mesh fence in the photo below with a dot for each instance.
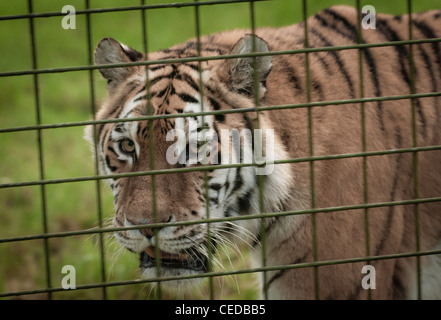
(42, 230)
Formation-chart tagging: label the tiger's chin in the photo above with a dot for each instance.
(173, 265)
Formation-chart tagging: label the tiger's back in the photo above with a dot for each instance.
(347, 128)
(387, 125)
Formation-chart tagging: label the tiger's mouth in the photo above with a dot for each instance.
(194, 261)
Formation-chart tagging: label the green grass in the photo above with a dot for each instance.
(65, 97)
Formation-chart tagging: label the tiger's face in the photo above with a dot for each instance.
(179, 142)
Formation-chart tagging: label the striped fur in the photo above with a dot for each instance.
(175, 88)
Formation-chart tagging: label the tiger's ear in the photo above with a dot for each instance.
(110, 51)
(239, 72)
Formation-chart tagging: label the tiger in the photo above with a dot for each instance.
(192, 88)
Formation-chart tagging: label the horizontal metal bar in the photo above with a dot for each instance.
(126, 8)
(229, 56)
(207, 221)
(224, 219)
(219, 166)
(206, 113)
(232, 272)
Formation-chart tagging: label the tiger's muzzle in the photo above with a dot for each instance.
(193, 261)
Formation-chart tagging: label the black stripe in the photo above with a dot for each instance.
(391, 35)
(187, 98)
(271, 223)
(433, 81)
(192, 65)
(171, 89)
(132, 54)
(399, 288)
(106, 137)
(349, 31)
(321, 59)
(390, 214)
(140, 90)
(214, 103)
(112, 168)
(385, 232)
(216, 106)
(159, 78)
(290, 72)
(436, 51)
(227, 183)
(244, 202)
(120, 222)
(238, 182)
(352, 35)
(144, 131)
(216, 186)
(217, 154)
(316, 86)
(230, 212)
(143, 97)
(185, 77)
(114, 114)
(119, 127)
(161, 93)
(219, 117)
(112, 150)
(403, 57)
(428, 33)
(249, 126)
(281, 272)
(157, 67)
(337, 58)
(116, 184)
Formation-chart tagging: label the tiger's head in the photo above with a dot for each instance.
(171, 142)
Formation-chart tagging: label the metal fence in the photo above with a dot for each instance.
(42, 183)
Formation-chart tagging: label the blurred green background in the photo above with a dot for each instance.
(66, 97)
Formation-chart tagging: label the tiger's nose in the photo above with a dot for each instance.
(150, 232)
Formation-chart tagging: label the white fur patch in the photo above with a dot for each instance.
(430, 278)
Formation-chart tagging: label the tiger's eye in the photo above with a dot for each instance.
(127, 146)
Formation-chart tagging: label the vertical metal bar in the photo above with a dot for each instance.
(414, 144)
(40, 147)
(363, 137)
(144, 41)
(258, 142)
(206, 187)
(311, 150)
(150, 111)
(95, 150)
(154, 204)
